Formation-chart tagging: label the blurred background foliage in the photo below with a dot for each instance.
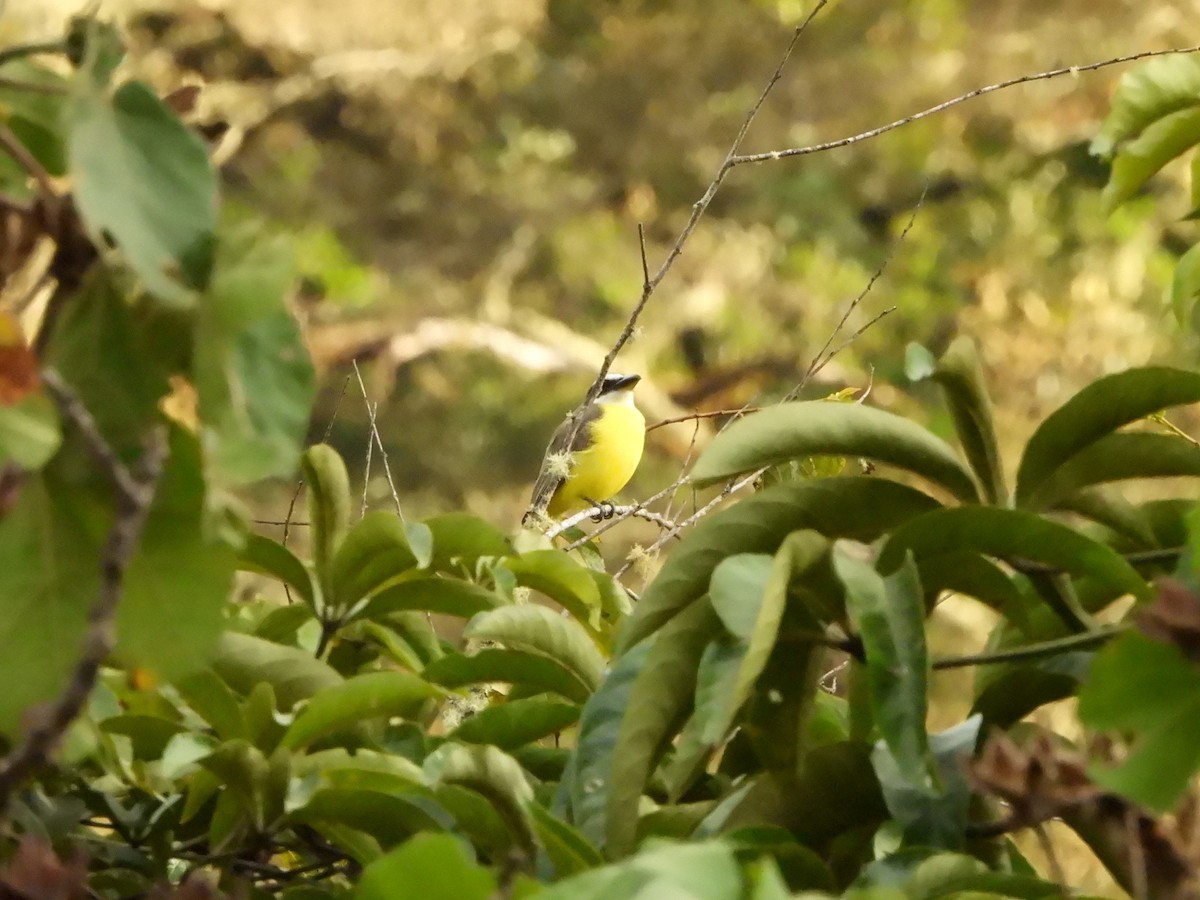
(466, 187)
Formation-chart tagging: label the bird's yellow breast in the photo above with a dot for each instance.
(616, 439)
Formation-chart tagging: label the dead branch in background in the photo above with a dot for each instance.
(134, 491)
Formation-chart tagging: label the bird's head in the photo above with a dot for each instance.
(617, 388)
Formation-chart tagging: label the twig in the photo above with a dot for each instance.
(962, 98)
(1057, 647)
(1137, 557)
(31, 87)
(11, 144)
(635, 510)
(134, 494)
(623, 513)
(387, 470)
(1047, 845)
(651, 283)
(19, 51)
(713, 414)
(371, 410)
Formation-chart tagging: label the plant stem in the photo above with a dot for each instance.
(1055, 647)
(19, 51)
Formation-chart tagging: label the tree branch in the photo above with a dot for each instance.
(134, 494)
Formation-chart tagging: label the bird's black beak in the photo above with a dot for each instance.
(621, 382)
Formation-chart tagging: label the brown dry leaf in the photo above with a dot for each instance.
(36, 873)
(18, 366)
(1173, 618)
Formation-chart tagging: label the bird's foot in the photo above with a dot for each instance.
(604, 509)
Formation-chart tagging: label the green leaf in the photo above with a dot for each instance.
(49, 578)
(1185, 281)
(937, 817)
(460, 540)
(328, 508)
(541, 630)
(1098, 410)
(253, 376)
(244, 773)
(888, 613)
(448, 596)
(268, 557)
(37, 117)
(568, 851)
(530, 670)
(1150, 690)
(1008, 534)
(1117, 457)
(389, 818)
(555, 574)
(1142, 157)
(428, 867)
(961, 377)
(706, 871)
(376, 550)
(369, 696)
(29, 432)
(173, 600)
(1151, 91)
(658, 705)
(857, 507)
(148, 734)
(515, 723)
(1107, 506)
(795, 430)
(492, 774)
(1005, 694)
(142, 178)
(245, 661)
(919, 363)
(214, 701)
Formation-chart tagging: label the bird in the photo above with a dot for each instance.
(602, 458)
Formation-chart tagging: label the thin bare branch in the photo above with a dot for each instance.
(651, 283)
(11, 144)
(608, 513)
(387, 469)
(772, 155)
(134, 494)
(712, 414)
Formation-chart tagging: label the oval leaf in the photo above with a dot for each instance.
(513, 666)
(536, 628)
(515, 723)
(370, 696)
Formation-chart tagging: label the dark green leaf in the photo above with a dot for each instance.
(173, 601)
(1005, 694)
(532, 670)
(244, 773)
(368, 696)
(493, 774)
(1185, 282)
(1009, 534)
(1098, 410)
(268, 557)
(459, 540)
(541, 630)
(141, 177)
(1148, 689)
(1106, 506)
(858, 507)
(555, 574)
(36, 117)
(149, 734)
(888, 613)
(389, 817)
(1147, 93)
(448, 596)
(658, 705)
(328, 508)
(429, 867)
(796, 430)
(518, 722)
(568, 851)
(245, 661)
(961, 377)
(375, 551)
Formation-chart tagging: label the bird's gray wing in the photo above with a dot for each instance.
(548, 481)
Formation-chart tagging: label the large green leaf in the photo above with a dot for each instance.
(857, 507)
(492, 774)
(511, 725)
(1096, 411)
(328, 509)
(460, 540)
(568, 851)
(888, 613)
(1009, 534)
(699, 871)
(1117, 457)
(541, 630)
(36, 116)
(658, 705)
(1185, 281)
(1142, 157)
(531, 670)
(49, 577)
(268, 557)
(1150, 690)
(173, 603)
(390, 817)
(429, 867)
(450, 596)
(253, 376)
(371, 695)
(1149, 93)
(375, 551)
(555, 574)
(144, 180)
(795, 430)
(29, 431)
(245, 661)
